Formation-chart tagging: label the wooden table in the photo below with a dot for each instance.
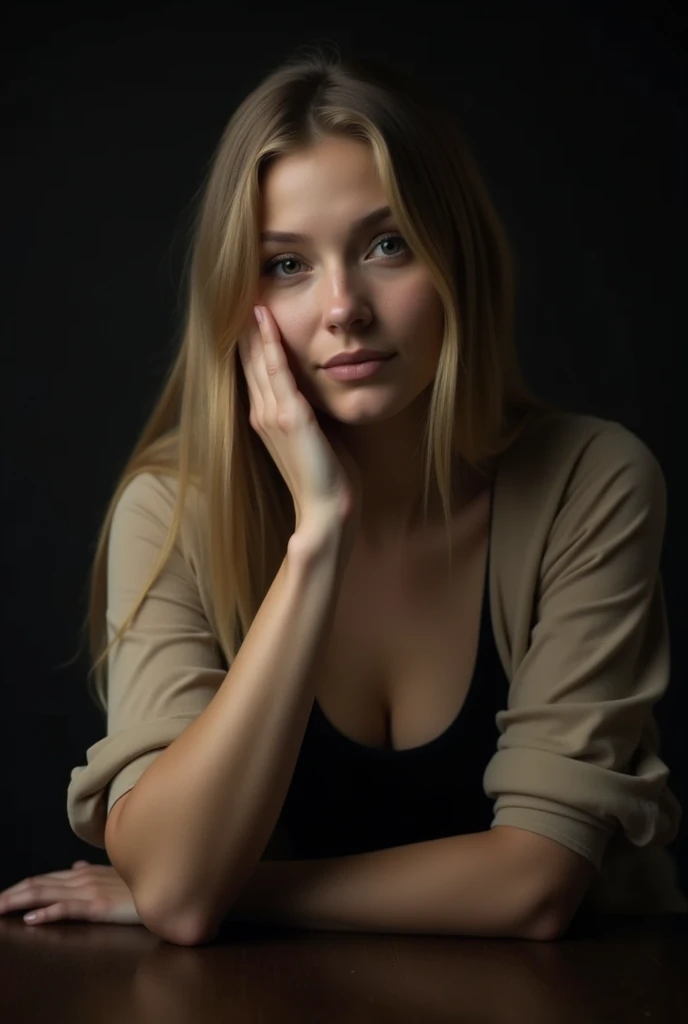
(611, 970)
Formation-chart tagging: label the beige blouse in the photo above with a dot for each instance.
(579, 621)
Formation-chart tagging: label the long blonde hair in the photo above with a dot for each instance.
(199, 429)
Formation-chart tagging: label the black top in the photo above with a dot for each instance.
(347, 798)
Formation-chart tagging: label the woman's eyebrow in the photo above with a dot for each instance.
(364, 222)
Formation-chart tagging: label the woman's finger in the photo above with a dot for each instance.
(46, 889)
(267, 404)
(247, 348)
(79, 910)
(72, 876)
(38, 896)
(33, 885)
(278, 375)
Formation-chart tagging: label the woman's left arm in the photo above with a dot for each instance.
(577, 759)
(504, 882)
(574, 763)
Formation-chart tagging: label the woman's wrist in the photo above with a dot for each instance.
(319, 535)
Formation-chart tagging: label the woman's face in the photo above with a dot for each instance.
(344, 287)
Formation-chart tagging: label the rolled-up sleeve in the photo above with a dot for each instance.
(577, 756)
(163, 673)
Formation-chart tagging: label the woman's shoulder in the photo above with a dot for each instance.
(147, 506)
(150, 489)
(157, 491)
(564, 458)
(556, 446)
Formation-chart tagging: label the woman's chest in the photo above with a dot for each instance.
(403, 646)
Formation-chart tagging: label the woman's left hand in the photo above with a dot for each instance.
(86, 892)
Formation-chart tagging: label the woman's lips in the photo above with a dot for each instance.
(357, 371)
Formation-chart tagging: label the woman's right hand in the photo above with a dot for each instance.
(322, 488)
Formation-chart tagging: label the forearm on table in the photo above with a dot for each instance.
(198, 820)
(460, 885)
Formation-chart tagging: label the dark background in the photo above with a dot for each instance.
(577, 115)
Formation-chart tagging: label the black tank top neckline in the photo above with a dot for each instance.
(351, 747)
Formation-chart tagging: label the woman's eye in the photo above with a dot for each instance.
(277, 261)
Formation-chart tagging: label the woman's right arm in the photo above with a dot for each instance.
(192, 830)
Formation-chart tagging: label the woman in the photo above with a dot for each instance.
(331, 704)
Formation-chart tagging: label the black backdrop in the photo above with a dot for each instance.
(576, 113)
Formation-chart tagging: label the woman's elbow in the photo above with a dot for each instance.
(178, 931)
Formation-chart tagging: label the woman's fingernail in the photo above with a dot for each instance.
(30, 917)
(259, 314)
